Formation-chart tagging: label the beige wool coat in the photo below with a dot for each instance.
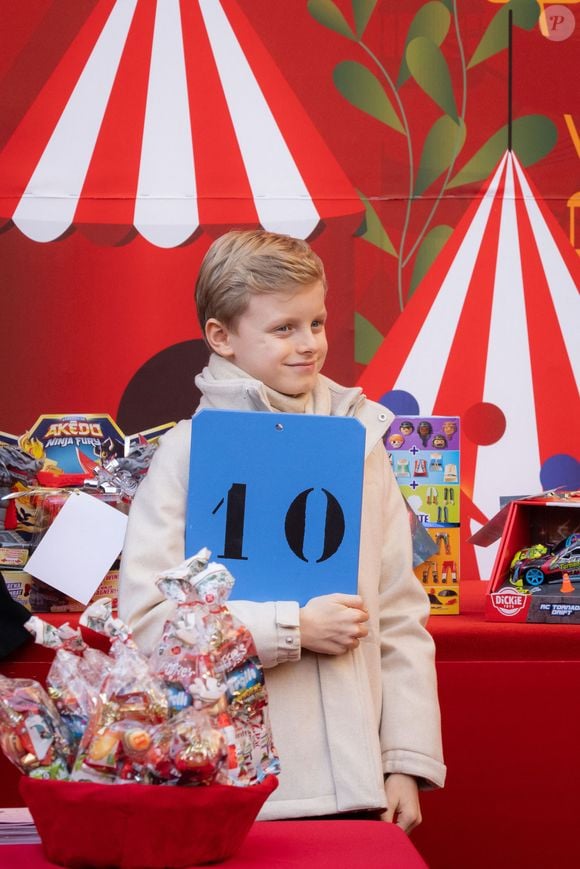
(340, 723)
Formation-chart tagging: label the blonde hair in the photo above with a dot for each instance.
(241, 264)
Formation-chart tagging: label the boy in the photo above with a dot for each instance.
(351, 678)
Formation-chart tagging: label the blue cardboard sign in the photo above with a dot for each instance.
(277, 499)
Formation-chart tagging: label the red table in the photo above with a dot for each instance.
(510, 703)
(304, 844)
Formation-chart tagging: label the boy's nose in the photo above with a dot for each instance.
(307, 342)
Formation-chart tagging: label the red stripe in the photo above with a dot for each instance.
(110, 185)
(25, 147)
(552, 372)
(463, 380)
(329, 187)
(224, 194)
(382, 372)
(567, 252)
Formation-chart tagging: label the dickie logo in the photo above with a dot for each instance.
(508, 602)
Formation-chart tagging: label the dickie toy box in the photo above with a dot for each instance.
(536, 574)
(424, 455)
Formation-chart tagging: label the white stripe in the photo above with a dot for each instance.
(512, 464)
(166, 205)
(561, 283)
(49, 202)
(281, 197)
(484, 555)
(422, 373)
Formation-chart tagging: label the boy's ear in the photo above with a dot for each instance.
(218, 337)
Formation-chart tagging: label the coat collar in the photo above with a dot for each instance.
(246, 393)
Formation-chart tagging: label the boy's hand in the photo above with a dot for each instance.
(333, 623)
(403, 806)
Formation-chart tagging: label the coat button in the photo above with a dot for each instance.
(382, 417)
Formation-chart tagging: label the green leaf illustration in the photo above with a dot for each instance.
(429, 250)
(533, 136)
(367, 340)
(362, 9)
(329, 15)
(432, 20)
(444, 141)
(429, 69)
(495, 38)
(372, 229)
(362, 89)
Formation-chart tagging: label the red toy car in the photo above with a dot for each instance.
(541, 564)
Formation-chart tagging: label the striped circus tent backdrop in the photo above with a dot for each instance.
(492, 334)
(169, 116)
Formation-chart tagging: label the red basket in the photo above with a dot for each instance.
(141, 826)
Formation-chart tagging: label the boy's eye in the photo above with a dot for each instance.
(284, 328)
(317, 324)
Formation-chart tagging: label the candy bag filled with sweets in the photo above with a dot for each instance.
(73, 683)
(72, 696)
(237, 663)
(72, 677)
(130, 689)
(187, 750)
(130, 697)
(228, 659)
(183, 658)
(32, 733)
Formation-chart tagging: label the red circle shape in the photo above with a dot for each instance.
(484, 423)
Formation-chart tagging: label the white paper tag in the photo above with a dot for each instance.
(79, 547)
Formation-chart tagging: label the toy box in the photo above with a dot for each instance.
(536, 574)
(14, 550)
(39, 597)
(73, 443)
(424, 454)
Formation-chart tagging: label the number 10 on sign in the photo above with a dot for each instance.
(277, 499)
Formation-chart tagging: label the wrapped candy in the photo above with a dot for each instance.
(187, 750)
(116, 752)
(99, 617)
(51, 637)
(32, 734)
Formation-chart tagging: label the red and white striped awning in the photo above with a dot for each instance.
(495, 327)
(169, 116)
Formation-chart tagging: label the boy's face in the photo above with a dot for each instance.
(280, 339)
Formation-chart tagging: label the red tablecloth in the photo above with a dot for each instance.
(468, 637)
(510, 708)
(304, 844)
